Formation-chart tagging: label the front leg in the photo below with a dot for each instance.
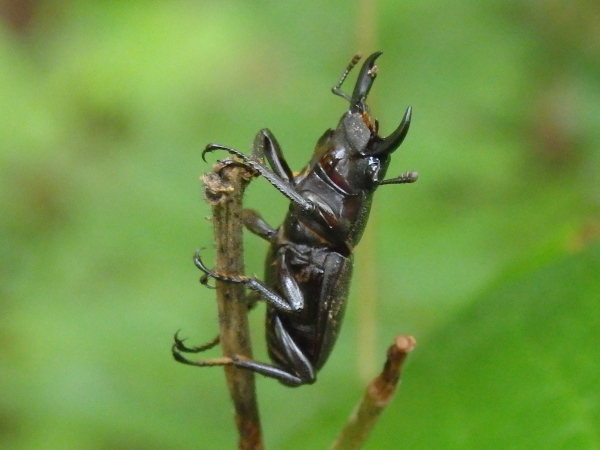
(283, 186)
(266, 146)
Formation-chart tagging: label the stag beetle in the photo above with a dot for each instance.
(308, 267)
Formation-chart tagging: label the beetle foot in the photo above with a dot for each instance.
(247, 163)
(179, 346)
(210, 273)
(204, 281)
(212, 147)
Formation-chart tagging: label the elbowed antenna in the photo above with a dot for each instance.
(337, 89)
(406, 177)
(364, 81)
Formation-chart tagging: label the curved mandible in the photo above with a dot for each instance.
(365, 79)
(390, 143)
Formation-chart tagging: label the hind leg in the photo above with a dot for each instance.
(299, 369)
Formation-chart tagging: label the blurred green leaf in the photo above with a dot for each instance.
(520, 368)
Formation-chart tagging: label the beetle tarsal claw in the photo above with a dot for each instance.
(176, 338)
(204, 281)
(211, 273)
(179, 346)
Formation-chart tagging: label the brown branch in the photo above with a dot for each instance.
(377, 396)
(224, 191)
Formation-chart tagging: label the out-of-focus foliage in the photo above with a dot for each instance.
(488, 260)
(521, 368)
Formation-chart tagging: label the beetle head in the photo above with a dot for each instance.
(360, 150)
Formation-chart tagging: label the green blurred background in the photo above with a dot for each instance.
(491, 260)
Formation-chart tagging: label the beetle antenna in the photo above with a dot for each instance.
(406, 177)
(337, 89)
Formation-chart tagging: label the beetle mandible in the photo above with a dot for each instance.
(308, 266)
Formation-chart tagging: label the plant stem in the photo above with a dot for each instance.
(378, 395)
(367, 272)
(224, 191)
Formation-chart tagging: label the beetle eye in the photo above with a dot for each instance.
(327, 161)
(373, 166)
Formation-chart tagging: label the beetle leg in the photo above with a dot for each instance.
(238, 361)
(265, 145)
(223, 361)
(180, 347)
(304, 372)
(253, 283)
(257, 225)
(280, 184)
(270, 371)
(288, 285)
(288, 353)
